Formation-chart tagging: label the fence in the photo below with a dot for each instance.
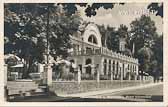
(69, 87)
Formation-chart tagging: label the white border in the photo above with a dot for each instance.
(86, 104)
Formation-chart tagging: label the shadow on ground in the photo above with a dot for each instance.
(53, 98)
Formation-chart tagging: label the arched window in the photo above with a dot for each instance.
(92, 39)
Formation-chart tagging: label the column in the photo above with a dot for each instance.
(118, 70)
(79, 75)
(107, 66)
(122, 71)
(125, 69)
(83, 64)
(141, 76)
(111, 76)
(129, 72)
(136, 67)
(92, 66)
(48, 75)
(41, 69)
(101, 66)
(98, 73)
(135, 73)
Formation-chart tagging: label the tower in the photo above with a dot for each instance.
(122, 43)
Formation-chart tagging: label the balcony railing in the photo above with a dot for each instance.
(104, 51)
(86, 52)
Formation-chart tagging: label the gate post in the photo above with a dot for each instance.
(48, 75)
(98, 73)
(79, 75)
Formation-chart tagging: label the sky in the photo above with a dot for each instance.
(122, 14)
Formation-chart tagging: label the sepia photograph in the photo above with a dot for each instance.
(83, 52)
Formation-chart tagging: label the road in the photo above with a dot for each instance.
(153, 93)
(147, 94)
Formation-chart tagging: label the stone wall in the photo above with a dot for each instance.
(68, 87)
(21, 86)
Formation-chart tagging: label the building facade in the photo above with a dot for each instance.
(91, 57)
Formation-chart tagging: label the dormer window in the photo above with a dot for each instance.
(92, 39)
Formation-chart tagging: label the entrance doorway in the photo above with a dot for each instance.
(88, 68)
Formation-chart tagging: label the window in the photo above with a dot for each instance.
(92, 39)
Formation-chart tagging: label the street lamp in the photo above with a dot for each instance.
(47, 68)
(47, 35)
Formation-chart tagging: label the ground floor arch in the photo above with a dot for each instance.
(88, 63)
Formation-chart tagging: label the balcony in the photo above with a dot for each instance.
(86, 52)
(105, 52)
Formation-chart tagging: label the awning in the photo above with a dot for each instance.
(18, 66)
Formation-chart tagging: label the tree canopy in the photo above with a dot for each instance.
(26, 30)
(148, 45)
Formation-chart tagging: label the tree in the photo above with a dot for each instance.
(102, 30)
(112, 39)
(157, 63)
(123, 31)
(144, 56)
(25, 30)
(143, 35)
(90, 10)
(143, 31)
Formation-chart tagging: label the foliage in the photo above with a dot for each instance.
(157, 63)
(90, 10)
(144, 56)
(148, 45)
(26, 30)
(123, 31)
(112, 39)
(157, 7)
(143, 31)
(102, 30)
